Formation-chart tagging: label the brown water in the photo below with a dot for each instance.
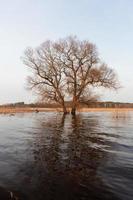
(46, 156)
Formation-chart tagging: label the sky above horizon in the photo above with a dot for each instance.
(24, 23)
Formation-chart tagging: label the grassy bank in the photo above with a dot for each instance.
(9, 110)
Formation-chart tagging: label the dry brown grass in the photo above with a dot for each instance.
(24, 110)
(105, 109)
(9, 110)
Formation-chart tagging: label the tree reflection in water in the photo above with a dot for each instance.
(67, 157)
(50, 156)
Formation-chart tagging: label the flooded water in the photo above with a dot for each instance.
(52, 157)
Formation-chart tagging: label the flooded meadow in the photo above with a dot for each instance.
(54, 157)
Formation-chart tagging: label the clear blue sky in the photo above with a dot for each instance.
(107, 23)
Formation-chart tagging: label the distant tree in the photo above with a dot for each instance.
(68, 68)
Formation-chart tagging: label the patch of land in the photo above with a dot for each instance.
(9, 110)
(25, 110)
(104, 109)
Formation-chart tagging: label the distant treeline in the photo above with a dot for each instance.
(109, 104)
(106, 104)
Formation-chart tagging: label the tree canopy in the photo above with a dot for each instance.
(67, 69)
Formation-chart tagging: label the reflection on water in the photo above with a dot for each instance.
(124, 115)
(50, 156)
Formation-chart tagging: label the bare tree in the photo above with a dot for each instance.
(83, 68)
(68, 68)
(47, 73)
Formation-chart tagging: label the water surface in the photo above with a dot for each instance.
(50, 156)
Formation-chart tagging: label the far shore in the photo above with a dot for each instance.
(9, 110)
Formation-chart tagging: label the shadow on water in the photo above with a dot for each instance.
(65, 158)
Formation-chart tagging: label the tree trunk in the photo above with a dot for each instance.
(74, 105)
(64, 110)
(62, 103)
(73, 111)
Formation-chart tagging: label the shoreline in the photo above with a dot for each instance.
(36, 110)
